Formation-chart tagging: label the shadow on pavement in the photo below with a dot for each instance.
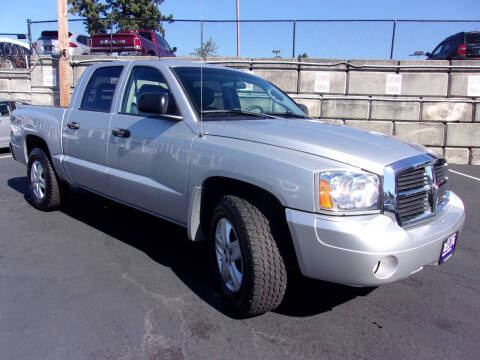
(167, 244)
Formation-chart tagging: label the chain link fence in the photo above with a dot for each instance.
(342, 39)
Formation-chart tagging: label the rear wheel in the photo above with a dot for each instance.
(43, 185)
(245, 257)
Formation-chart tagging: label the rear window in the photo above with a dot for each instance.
(52, 34)
(99, 93)
(473, 38)
(146, 35)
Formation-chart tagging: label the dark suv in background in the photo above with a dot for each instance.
(461, 46)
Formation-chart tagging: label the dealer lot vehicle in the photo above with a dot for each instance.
(13, 53)
(233, 159)
(141, 42)
(47, 43)
(6, 107)
(461, 46)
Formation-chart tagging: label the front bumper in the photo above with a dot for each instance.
(348, 249)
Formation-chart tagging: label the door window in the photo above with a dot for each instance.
(98, 95)
(4, 110)
(162, 42)
(437, 51)
(145, 79)
(82, 40)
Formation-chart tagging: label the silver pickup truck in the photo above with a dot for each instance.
(236, 162)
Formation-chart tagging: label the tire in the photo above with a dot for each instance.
(42, 183)
(254, 276)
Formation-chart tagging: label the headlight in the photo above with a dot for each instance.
(347, 191)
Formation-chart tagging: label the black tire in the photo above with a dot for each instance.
(49, 197)
(263, 269)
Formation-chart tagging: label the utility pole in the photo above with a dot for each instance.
(238, 28)
(63, 60)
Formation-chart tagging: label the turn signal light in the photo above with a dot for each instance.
(325, 190)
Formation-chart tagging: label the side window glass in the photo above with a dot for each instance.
(161, 41)
(4, 110)
(98, 95)
(447, 48)
(145, 79)
(438, 50)
(146, 35)
(82, 40)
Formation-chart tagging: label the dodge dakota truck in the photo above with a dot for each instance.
(240, 165)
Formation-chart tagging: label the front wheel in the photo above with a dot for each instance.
(245, 257)
(43, 185)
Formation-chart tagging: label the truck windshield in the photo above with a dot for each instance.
(234, 94)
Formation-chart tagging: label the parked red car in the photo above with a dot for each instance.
(141, 42)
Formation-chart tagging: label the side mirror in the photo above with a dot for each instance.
(427, 54)
(174, 49)
(304, 108)
(153, 102)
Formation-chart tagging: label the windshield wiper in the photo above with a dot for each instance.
(287, 114)
(240, 112)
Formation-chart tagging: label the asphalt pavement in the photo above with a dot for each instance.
(98, 280)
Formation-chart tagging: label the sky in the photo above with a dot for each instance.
(317, 40)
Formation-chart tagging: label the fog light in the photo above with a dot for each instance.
(385, 267)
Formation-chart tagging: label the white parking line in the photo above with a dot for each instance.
(5, 157)
(468, 176)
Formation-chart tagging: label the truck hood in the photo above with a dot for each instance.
(366, 150)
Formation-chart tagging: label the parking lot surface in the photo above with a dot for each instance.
(98, 280)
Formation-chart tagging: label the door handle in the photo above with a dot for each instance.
(73, 125)
(124, 133)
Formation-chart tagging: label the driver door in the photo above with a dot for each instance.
(148, 154)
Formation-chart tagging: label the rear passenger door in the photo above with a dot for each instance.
(86, 130)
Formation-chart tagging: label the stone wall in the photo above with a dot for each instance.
(434, 103)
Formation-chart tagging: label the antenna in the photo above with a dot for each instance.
(201, 79)
(201, 99)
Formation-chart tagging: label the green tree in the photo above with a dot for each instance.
(101, 15)
(207, 49)
(302, 56)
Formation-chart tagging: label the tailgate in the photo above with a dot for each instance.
(473, 44)
(473, 50)
(115, 42)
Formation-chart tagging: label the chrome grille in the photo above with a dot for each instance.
(441, 178)
(413, 194)
(415, 188)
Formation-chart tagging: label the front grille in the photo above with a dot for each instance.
(413, 194)
(441, 178)
(420, 190)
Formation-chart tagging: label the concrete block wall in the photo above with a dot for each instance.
(434, 103)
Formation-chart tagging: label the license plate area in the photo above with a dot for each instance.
(448, 247)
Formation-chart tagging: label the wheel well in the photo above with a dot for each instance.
(214, 188)
(33, 142)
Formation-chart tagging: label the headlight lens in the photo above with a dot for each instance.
(348, 191)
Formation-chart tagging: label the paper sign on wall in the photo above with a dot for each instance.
(393, 85)
(49, 77)
(473, 86)
(322, 82)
